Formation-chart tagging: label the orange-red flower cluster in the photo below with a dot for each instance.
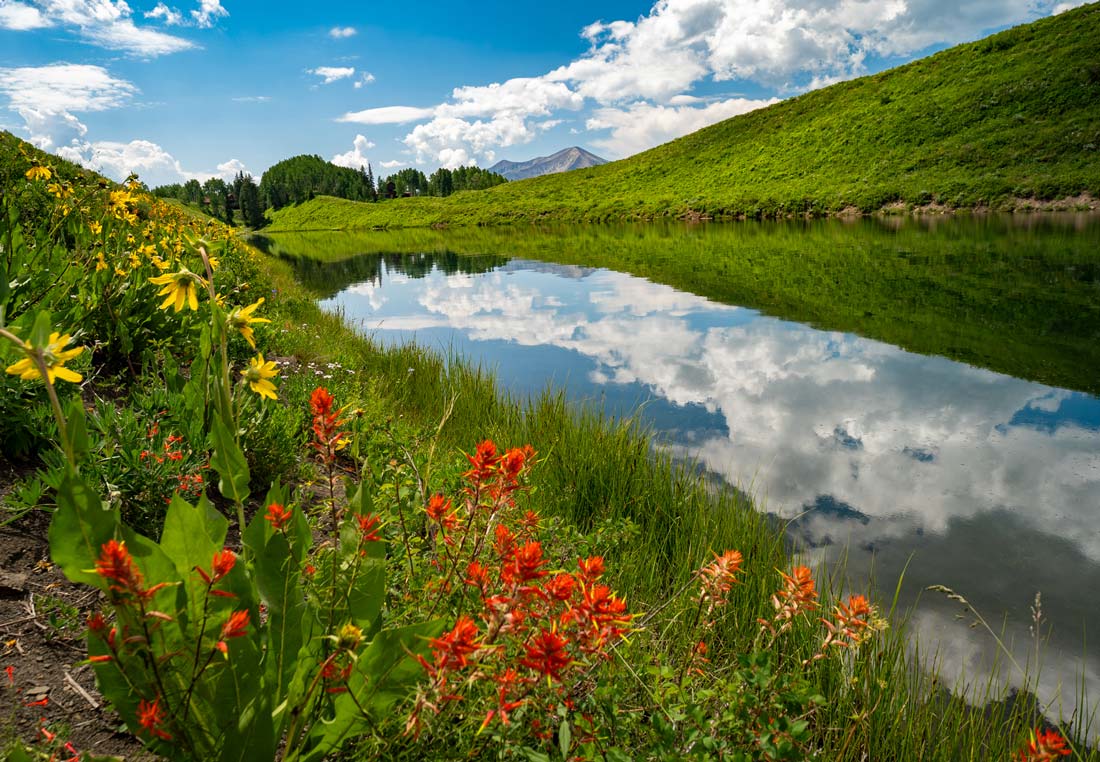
(327, 436)
(1044, 746)
(151, 717)
(852, 625)
(116, 565)
(278, 516)
(223, 563)
(235, 627)
(717, 578)
(797, 596)
(495, 474)
(534, 624)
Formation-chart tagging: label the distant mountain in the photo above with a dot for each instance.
(562, 161)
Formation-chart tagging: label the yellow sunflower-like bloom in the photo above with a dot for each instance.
(38, 173)
(54, 355)
(95, 227)
(100, 262)
(241, 318)
(179, 288)
(257, 374)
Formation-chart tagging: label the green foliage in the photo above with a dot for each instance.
(300, 178)
(137, 461)
(981, 124)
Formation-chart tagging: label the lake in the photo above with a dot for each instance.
(915, 398)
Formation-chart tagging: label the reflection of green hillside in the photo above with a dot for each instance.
(327, 263)
(1017, 295)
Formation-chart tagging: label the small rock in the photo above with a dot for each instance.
(11, 582)
(38, 690)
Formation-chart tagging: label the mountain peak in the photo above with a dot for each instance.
(564, 160)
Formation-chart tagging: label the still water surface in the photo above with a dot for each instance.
(955, 474)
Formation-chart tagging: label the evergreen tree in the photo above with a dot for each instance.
(249, 200)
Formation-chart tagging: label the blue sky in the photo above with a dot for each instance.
(196, 88)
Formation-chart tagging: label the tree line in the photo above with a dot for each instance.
(300, 178)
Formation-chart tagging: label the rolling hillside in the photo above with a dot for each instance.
(1013, 117)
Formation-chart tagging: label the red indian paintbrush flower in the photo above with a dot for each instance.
(718, 577)
(483, 463)
(1044, 746)
(235, 627)
(440, 511)
(454, 648)
(547, 654)
(369, 527)
(591, 568)
(523, 566)
(117, 565)
(278, 516)
(151, 717)
(223, 563)
(560, 587)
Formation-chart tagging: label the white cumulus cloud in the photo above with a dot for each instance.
(21, 17)
(208, 12)
(342, 32)
(365, 79)
(48, 98)
(169, 16)
(357, 156)
(330, 74)
(387, 115)
(153, 164)
(106, 23)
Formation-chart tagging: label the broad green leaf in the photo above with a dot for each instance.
(565, 738)
(385, 673)
(229, 462)
(81, 525)
(77, 426)
(40, 332)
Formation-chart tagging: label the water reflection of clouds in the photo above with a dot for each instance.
(894, 452)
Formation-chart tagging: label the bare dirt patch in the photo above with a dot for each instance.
(42, 624)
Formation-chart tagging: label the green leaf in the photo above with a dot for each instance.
(535, 756)
(565, 738)
(77, 426)
(192, 533)
(40, 332)
(229, 462)
(385, 672)
(80, 527)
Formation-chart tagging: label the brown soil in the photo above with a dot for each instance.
(42, 618)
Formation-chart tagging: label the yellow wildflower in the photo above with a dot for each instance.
(257, 374)
(100, 262)
(179, 287)
(54, 355)
(118, 204)
(241, 318)
(159, 263)
(135, 261)
(147, 250)
(95, 227)
(121, 273)
(213, 262)
(59, 190)
(38, 173)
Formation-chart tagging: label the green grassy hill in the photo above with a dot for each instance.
(1014, 116)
